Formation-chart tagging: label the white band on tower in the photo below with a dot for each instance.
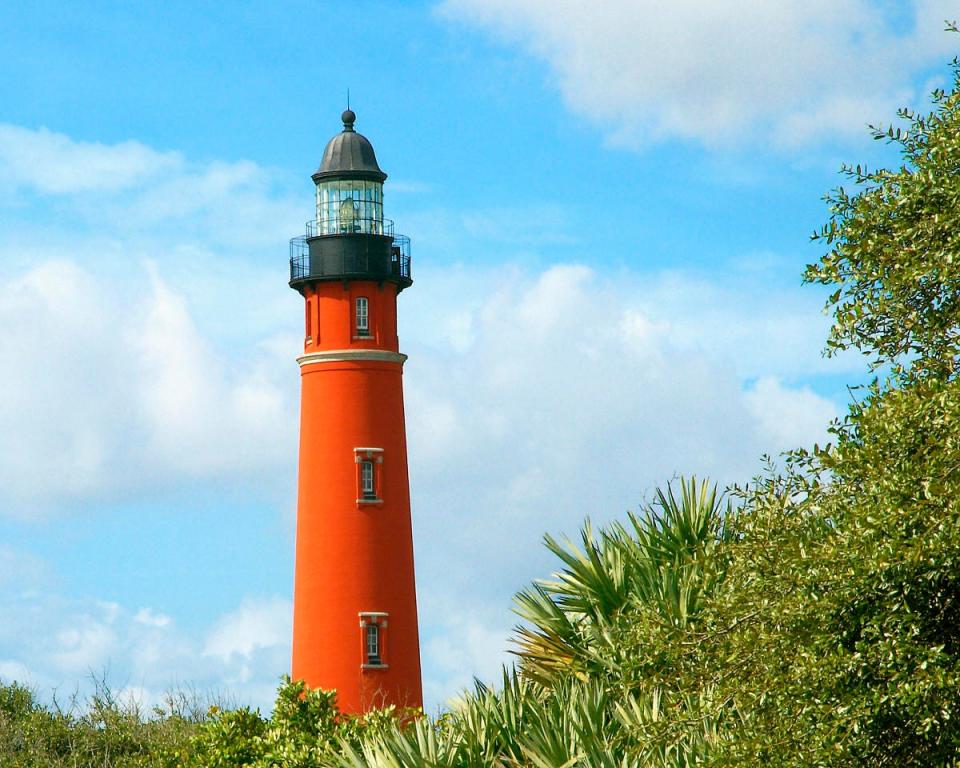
(352, 355)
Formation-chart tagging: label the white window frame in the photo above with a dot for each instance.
(361, 316)
(373, 625)
(369, 492)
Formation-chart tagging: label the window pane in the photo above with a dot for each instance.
(349, 206)
(363, 323)
(366, 478)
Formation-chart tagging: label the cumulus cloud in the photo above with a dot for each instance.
(85, 644)
(574, 395)
(151, 619)
(255, 624)
(564, 394)
(77, 644)
(145, 196)
(108, 394)
(53, 163)
(466, 644)
(718, 72)
(140, 339)
(789, 417)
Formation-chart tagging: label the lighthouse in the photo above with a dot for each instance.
(354, 602)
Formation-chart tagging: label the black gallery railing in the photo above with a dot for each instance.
(348, 263)
(350, 222)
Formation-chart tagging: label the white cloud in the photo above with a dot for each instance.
(134, 697)
(745, 318)
(787, 417)
(126, 359)
(573, 396)
(569, 395)
(131, 191)
(54, 341)
(467, 645)
(717, 71)
(105, 393)
(257, 623)
(56, 164)
(197, 421)
(77, 644)
(126, 362)
(85, 642)
(148, 617)
(14, 671)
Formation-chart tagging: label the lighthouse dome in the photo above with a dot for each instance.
(349, 155)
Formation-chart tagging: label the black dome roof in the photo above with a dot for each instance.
(349, 155)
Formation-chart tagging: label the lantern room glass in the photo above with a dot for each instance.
(349, 206)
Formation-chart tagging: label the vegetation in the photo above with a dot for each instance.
(99, 732)
(808, 618)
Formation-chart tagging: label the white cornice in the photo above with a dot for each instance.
(351, 355)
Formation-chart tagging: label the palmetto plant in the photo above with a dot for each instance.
(660, 567)
(585, 694)
(518, 725)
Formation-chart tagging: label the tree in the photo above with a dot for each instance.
(305, 730)
(99, 731)
(844, 578)
(894, 253)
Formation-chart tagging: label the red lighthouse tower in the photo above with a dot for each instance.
(355, 605)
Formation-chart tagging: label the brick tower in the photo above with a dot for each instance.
(354, 605)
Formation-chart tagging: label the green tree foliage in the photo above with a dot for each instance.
(102, 732)
(894, 255)
(305, 730)
(849, 563)
(842, 580)
(846, 582)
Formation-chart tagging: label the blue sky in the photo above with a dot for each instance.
(609, 204)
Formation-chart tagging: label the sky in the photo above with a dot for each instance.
(610, 207)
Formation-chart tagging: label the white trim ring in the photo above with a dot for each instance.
(352, 355)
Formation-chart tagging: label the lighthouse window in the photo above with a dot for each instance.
(363, 317)
(373, 644)
(346, 206)
(366, 480)
(369, 488)
(373, 627)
